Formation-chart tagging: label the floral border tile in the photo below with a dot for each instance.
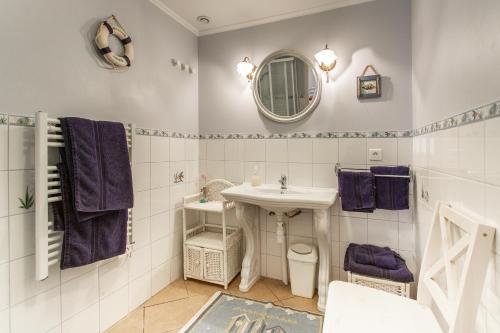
(21, 121)
(4, 119)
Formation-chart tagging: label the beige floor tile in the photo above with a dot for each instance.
(195, 287)
(259, 292)
(174, 291)
(302, 304)
(133, 323)
(280, 290)
(168, 316)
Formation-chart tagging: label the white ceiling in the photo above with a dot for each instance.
(236, 14)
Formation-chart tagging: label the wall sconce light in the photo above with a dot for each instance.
(246, 68)
(327, 60)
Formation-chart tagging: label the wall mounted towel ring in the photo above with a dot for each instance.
(111, 26)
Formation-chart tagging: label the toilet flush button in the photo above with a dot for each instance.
(375, 154)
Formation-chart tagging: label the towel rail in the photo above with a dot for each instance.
(339, 168)
(48, 134)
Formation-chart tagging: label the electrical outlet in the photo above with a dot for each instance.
(375, 154)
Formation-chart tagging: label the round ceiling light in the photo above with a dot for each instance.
(203, 19)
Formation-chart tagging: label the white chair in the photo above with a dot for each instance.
(212, 252)
(456, 257)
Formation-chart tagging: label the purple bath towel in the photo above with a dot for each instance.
(357, 191)
(376, 256)
(391, 193)
(400, 274)
(96, 188)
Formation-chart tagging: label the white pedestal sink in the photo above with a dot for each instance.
(270, 198)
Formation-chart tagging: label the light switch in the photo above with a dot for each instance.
(375, 154)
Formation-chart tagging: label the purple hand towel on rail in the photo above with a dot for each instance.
(392, 193)
(96, 188)
(357, 191)
(377, 256)
(400, 274)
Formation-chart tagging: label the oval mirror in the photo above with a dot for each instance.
(286, 86)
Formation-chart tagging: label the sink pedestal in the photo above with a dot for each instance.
(322, 227)
(246, 215)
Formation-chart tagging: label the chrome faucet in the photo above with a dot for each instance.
(283, 181)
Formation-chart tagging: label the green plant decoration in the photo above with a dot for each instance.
(28, 201)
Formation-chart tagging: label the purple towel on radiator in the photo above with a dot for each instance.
(357, 191)
(391, 193)
(400, 274)
(96, 188)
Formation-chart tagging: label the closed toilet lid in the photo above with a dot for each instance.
(301, 248)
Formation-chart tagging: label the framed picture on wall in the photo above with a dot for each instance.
(369, 86)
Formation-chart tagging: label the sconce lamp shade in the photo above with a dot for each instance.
(246, 68)
(326, 58)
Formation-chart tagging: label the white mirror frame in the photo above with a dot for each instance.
(307, 110)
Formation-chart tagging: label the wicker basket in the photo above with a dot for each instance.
(393, 287)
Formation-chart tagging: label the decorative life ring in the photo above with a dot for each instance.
(112, 27)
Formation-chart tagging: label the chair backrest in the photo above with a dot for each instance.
(214, 187)
(454, 267)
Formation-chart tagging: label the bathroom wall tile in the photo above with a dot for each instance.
(176, 239)
(492, 158)
(421, 151)
(203, 149)
(300, 174)
(263, 241)
(274, 170)
(352, 151)
(192, 171)
(234, 150)
(383, 214)
(192, 149)
(160, 200)
(4, 240)
(160, 149)
(37, 314)
(405, 215)
(176, 268)
(301, 225)
(443, 151)
(139, 291)
(383, 233)
(335, 226)
(405, 151)
(273, 247)
(300, 150)
(326, 151)
(215, 169)
(406, 237)
(492, 214)
(389, 148)
(4, 286)
(276, 150)
(160, 277)
(215, 150)
(335, 254)
(469, 196)
(21, 148)
(160, 225)
(255, 150)
(175, 169)
(4, 147)
(353, 230)
(139, 262)
(324, 175)
(113, 276)
(273, 268)
(142, 177)
(142, 149)
(141, 232)
(471, 147)
(79, 294)
(142, 205)
(73, 273)
(161, 175)
(4, 193)
(250, 170)
(175, 220)
(263, 265)
(5, 320)
(22, 230)
(86, 321)
(234, 171)
(113, 307)
(177, 193)
(161, 251)
(177, 149)
(18, 182)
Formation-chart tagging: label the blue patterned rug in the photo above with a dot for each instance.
(229, 314)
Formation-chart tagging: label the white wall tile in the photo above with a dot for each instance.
(352, 151)
(4, 286)
(4, 147)
(215, 170)
(4, 193)
(4, 240)
(139, 262)
(5, 321)
(160, 277)
(353, 230)
(300, 174)
(389, 148)
(79, 294)
(86, 321)
(492, 158)
(142, 205)
(141, 232)
(142, 149)
(139, 290)
(443, 151)
(161, 174)
(324, 175)
(142, 177)
(276, 150)
(113, 276)
(326, 151)
(492, 213)
(161, 251)
(301, 225)
(177, 149)
(272, 246)
(383, 233)
(176, 239)
(203, 149)
(234, 150)
(160, 225)
(250, 170)
(18, 182)
(160, 149)
(160, 200)
(192, 149)
(273, 267)
(406, 237)
(215, 150)
(405, 151)
(192, 171)
(234, 171)
(176, 268)
(255, 150)
(300, 150)
(177, 193)
(113, 307)
(274, 170)
(21, 147)
(37, 314)
(471, 143)
(72, 273)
